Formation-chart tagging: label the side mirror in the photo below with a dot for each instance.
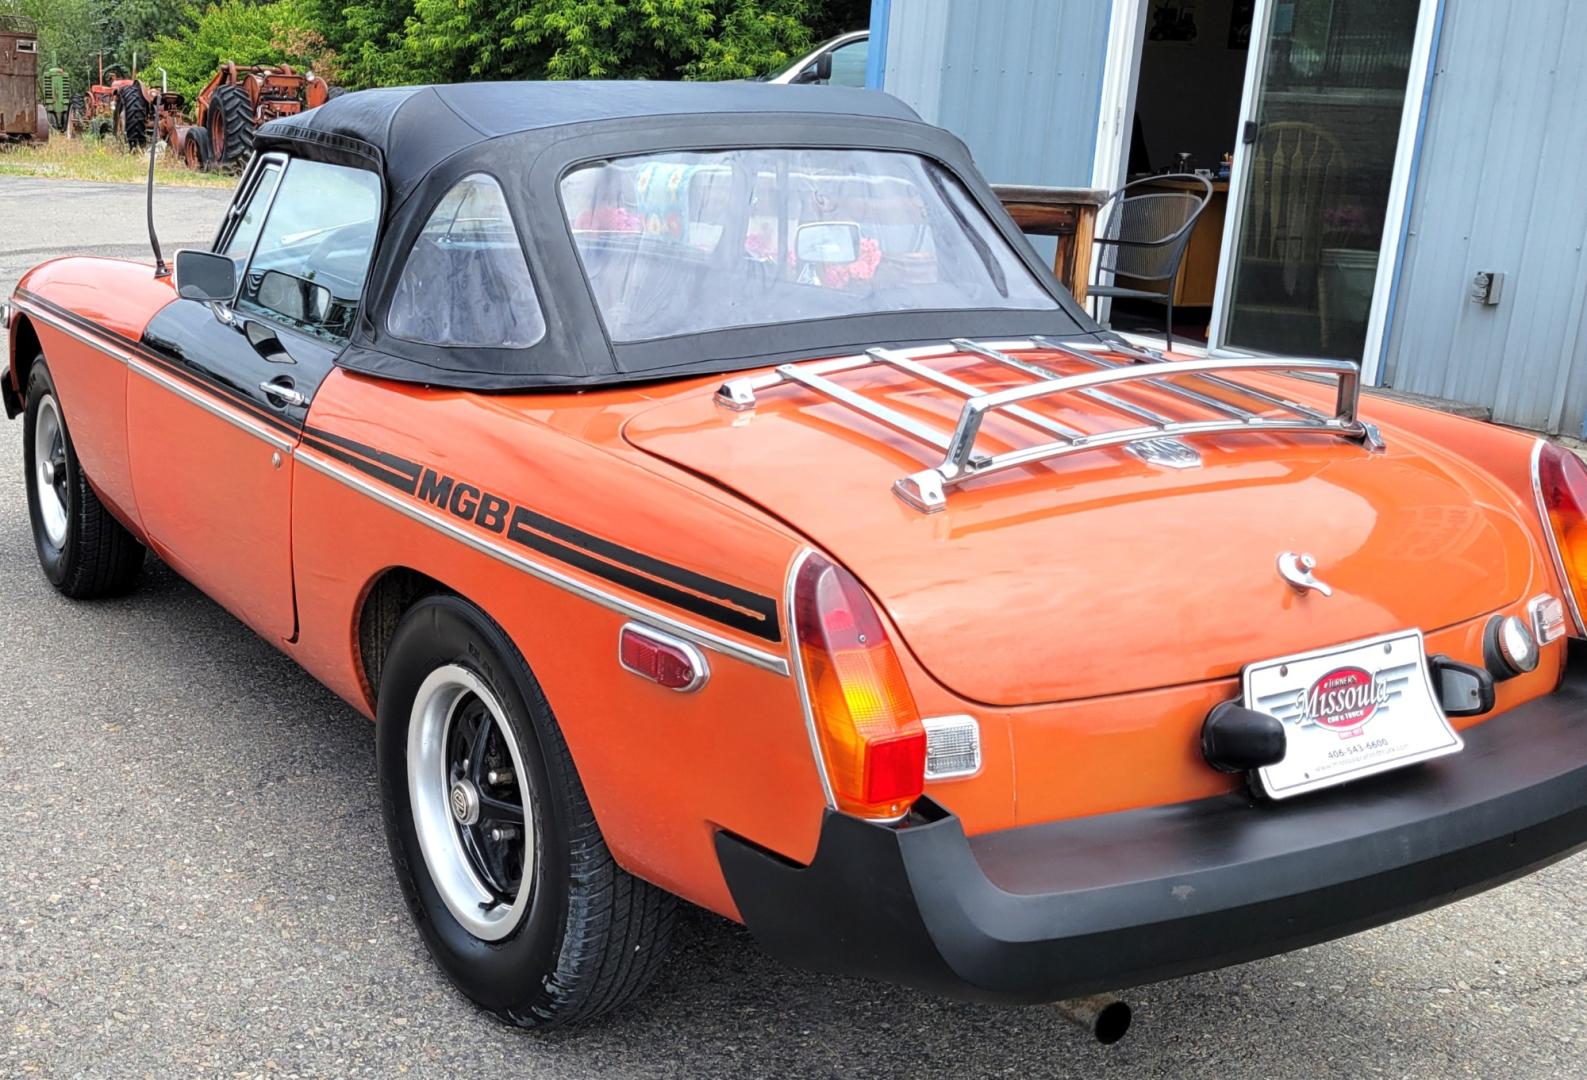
(827, 242)
(205, 276)
(824, 67)
(298, 299)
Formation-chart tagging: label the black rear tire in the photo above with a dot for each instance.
(132, 117)
(230, 121)
(590, 936)
(97, 556)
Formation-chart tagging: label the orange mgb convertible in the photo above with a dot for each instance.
(710, 494)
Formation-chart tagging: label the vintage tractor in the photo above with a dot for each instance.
(55, 94)
(97, 104)
(22, 118)
(233, 104)
(135, 109)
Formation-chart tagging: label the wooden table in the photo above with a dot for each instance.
(1070, 214)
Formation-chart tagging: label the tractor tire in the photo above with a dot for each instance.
(335, 92)
(196, 151)
(131, 119)
(74, 117)
(230, 122)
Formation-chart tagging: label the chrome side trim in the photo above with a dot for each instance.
(214, 408)
(777, 665)
(799, 675)
(1566, 586)
(72, 332)
(702, 670)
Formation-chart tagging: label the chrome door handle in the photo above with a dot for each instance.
(282, 392)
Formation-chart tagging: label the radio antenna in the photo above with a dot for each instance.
(161, 271)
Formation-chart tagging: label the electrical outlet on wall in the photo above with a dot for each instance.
(1487, 287)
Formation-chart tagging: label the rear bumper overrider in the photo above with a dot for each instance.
(1074, 907)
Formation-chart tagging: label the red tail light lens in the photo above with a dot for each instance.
(1562, 493)
(865, 717)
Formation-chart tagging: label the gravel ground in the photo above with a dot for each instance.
(193, 881)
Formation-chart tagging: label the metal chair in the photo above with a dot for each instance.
(1144, 239)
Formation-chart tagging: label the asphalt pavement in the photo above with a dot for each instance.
(194, 881)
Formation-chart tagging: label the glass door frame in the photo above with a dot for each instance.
(1401, 180)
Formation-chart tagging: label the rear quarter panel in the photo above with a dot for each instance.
(662, 769)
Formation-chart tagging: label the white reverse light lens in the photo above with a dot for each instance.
(953, 746)
(1548, 618)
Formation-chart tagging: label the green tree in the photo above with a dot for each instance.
(244, 33)
(451, 40)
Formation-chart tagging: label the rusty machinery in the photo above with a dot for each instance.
(22, 118)
(233, 105)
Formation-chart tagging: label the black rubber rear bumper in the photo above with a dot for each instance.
(1102, 903)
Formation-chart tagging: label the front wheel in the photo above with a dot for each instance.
(497, 852)
(84, 551)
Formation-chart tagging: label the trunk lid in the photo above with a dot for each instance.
(1098, 573)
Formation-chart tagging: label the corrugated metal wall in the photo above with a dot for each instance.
(1020, 81)
(1502, 185)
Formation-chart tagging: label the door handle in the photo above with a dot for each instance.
(281, 390)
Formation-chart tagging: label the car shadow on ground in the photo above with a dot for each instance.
(326, 945)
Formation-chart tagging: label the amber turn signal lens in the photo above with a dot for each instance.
(872, 741)
(1562, 490)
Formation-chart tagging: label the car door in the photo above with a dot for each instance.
(214, 420)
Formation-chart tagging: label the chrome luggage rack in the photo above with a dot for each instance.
(1157, 440)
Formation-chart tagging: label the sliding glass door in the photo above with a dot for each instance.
(1318, 152)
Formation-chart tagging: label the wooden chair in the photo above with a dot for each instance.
(1296, 174)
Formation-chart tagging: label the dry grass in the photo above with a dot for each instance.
(101, 160)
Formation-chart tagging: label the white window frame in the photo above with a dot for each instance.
(1121, 77)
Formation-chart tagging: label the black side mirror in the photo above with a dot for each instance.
(297, 298)
(205, 276)
(824, 67)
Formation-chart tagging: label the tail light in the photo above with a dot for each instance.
(1561, 480)
(866, 723)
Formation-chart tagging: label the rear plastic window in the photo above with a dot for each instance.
(466, 282)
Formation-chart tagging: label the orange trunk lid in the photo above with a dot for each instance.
(1099, 573)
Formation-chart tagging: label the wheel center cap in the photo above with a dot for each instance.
(464, 800)
(48, 469)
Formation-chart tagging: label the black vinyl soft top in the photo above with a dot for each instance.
(527, 135)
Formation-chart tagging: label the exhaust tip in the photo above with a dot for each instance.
(1106, 1017)
(1112, 1023)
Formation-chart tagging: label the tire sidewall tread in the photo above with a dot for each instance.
(593, 935)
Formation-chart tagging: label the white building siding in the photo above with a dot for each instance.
(1020, 81)
(1501, 185)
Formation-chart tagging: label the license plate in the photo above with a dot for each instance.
(1349, 711)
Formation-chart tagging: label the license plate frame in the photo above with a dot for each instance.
(1349, 711)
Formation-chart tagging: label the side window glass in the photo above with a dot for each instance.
(247, 228)
(848, 64)
(466, 281)
(313, 254)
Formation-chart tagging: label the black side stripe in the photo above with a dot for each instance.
(391, 461)
(719, 601)
(683, 588)
(408, 485)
